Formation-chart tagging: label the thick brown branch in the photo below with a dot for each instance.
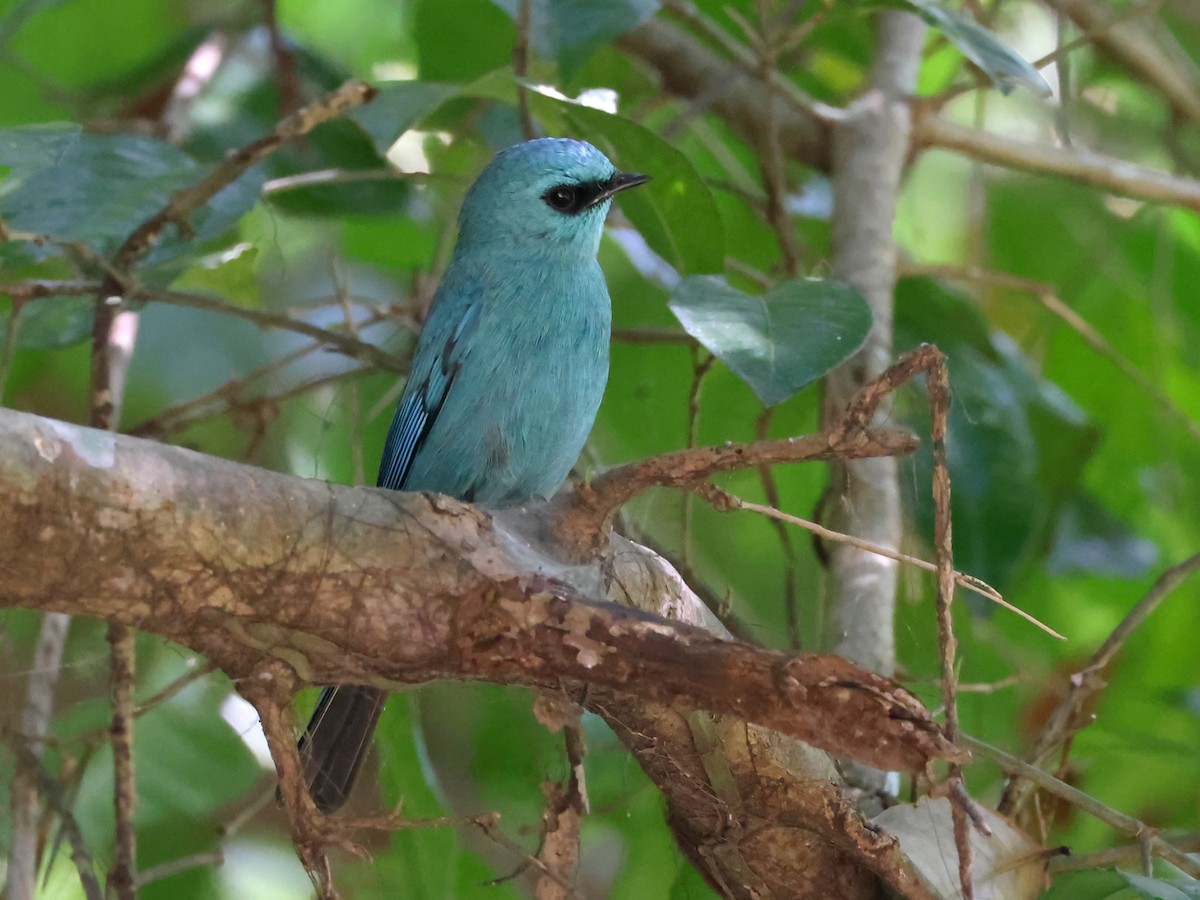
(348, 584)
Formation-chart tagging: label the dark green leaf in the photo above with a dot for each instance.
(33, 147)
(778, 342)
(96, 189)
(398, 107)
(1016, 445)
(1091, 540)
(1001, 63)
(49, 323)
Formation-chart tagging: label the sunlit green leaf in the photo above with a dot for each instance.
(1159, 889)
(777, 342)
(1001, 63)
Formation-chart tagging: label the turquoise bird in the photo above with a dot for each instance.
(506, 380)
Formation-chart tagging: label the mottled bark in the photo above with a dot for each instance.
(253, 569)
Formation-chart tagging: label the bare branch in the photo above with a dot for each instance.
(1079, 164)
(340, 341)
(690, 70)
(178, 210)
(1086, 802)
(1070, 717)
(269, 575)
(35, 724)
(1154, 58)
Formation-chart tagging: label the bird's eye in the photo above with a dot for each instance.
(561, 198)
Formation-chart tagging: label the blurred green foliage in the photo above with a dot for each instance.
(1074, 484)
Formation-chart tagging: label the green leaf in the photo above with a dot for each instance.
(569, 30)
(1157, 889)
(398, 107)
(190, 763)
(781, 341)
(1001, 63)
(50, 323)
(33, 147)
(341, 145)
(676, 212)
(460, 41)
(1089, 539)
(1017, 446)
(97, 188)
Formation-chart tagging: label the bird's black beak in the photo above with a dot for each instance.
(622, 181)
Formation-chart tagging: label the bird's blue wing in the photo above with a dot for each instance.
(444, 345)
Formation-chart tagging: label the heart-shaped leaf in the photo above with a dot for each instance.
(778, 342)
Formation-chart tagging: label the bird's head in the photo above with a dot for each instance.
(552, 191)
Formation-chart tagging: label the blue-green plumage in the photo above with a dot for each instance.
(507, 377)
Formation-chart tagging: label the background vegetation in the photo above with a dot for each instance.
(1064, 288)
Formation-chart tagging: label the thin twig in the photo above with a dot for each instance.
(969, 582)
(700, 368)
(344, 343)
(790, 562)
(1080, 165)
(1089, 804)
(774, 179)
(36, 714)
(52, 789)
(114, 335)
(184, 202)
(651, 335)
(594, 503)
(11, 330)
(286, 81)
(1149, 55)
(122, 877)
(1069, 716)
(1117, 856)
(520, 64)
(938, 386)
(358, 464)
(767, 47)
(748, 62)
(200, 671)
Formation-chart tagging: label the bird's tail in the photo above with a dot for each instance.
(336, 740)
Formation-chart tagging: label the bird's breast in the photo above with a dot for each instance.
(527, 393)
